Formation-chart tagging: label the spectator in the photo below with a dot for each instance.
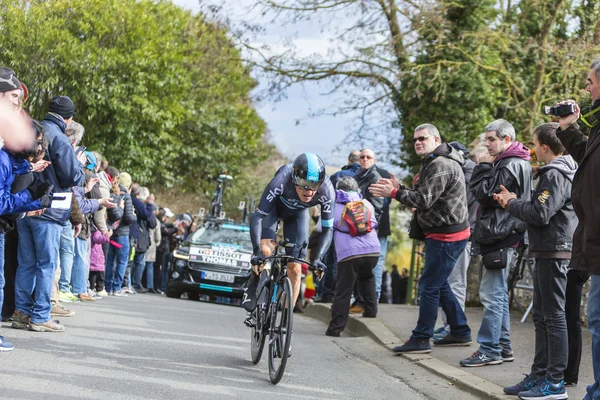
(399, 285)
(585, 194)
(167, 230)
(97, 261)
(550, 222)
(458, 278)
(143, 203)
(326, 286)
(39, 237)
(368, 175)
(440, 200)
(357, 256)
(118, 252)
(155, 240)
(497, 234)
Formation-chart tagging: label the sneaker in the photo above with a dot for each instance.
(86, 297)
(507, 356)
(67, 297)
(414, 346)
(440, 333)
(120, 293)
(357, 309)
(129, 289)
(479, 359)
(332, 333)
(451, 340)
(526, 384)
(4, 345)
(102, 293)
(545, 390)
(20, 320)
(94, 295)
(59, 311)
(49, 326)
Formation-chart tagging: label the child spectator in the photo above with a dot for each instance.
(97, 260)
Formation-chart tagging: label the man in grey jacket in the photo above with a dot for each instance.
(497, 233)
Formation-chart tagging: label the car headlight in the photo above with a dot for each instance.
(180, 264)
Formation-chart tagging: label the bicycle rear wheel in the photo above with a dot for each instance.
(280, 332)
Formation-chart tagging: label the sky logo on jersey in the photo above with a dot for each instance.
(312, 162)
(274, 193)
(325, 204)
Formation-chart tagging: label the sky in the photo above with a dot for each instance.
(290, 126)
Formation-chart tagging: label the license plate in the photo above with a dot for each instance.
(216, 276)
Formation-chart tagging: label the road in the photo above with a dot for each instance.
(152, 347)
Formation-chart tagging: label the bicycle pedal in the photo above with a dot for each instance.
(249, 323)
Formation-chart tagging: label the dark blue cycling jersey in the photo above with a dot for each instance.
(280, 201)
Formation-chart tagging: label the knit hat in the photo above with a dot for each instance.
(63, 106)
(125, 179)
(8, 80)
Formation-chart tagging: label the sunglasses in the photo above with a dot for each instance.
(307, 185)
(365, 157)
(420, 139)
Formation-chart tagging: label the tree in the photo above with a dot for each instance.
(456, 63)
(162, 93)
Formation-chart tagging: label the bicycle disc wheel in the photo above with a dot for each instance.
(257, 334)
(280, 332)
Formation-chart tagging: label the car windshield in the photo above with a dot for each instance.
(235, 235)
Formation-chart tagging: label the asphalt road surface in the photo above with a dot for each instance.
(151, 347)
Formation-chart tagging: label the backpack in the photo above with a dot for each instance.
(358, 217)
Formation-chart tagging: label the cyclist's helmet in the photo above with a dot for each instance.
(308, 171)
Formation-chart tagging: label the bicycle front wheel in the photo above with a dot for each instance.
(280, 332)
(257, 336)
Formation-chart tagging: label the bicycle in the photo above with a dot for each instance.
(273, 314)
(216, 205)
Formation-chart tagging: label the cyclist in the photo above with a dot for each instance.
(293, 190)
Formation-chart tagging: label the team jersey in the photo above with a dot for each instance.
(281, 190)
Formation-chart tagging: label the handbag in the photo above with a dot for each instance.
(497, 259)
(414, 230)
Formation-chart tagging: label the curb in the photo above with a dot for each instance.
(376, 330)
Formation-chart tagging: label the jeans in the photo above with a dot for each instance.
(593, 391)
(139, 263)
(575, 281)
(79, 271)
(165, 272)
(359, 270)
(494, 333)
(2, 280)
(551, 338)
(67, 254)
(150, 274)
(39, 241)
(378, 270)
(458, 280)
(116, 263)
(434, 290)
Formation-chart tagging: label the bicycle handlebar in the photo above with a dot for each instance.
(292, 259)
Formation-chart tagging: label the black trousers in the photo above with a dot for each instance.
(359, 270)
(97, 280)
(10, 272)
(575, 281)
(158, 266)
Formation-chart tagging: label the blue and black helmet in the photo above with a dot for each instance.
(308, 171)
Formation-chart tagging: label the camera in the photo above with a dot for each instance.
(560, 111)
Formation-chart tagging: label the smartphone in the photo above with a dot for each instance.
(80, 150)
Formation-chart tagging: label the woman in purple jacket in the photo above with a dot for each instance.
(357, 256)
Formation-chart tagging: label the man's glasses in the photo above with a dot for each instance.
(307, 185)
(365, 157)
(420, 139)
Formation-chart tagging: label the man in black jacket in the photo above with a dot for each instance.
(440, 200)
(551, 222)
(497, 233)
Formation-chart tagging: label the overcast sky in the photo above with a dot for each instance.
(321, 135)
